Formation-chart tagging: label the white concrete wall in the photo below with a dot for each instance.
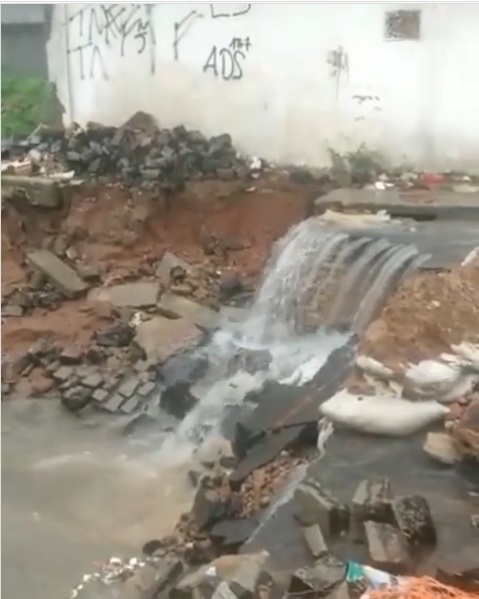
(283, 99)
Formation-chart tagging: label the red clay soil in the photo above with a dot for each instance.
(427, 313)
(118, 230)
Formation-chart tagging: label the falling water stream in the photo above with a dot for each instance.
(339, 278)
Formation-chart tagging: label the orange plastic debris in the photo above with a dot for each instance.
(420, 588)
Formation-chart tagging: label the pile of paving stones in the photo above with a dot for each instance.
(140, 151)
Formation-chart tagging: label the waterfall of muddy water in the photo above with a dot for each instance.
(315, 280)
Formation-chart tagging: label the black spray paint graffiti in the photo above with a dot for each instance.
(124, 28)
(217, 11)
(226, 63)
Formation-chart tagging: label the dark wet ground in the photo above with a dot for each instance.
(350, 458)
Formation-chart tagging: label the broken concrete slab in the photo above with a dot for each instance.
(387, 547)
(320, 579)
(414, 204)
(315, 540)
(142, 294)
(371, 501)
(38, 191)
(264, 452)
(174, 306)
(230, 534)
(281, 406)
(160, 338)
(59, 273)
(313, 504)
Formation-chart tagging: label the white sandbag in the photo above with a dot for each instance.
(463, 386)
(373, 367)
(469, 352)
(432, 372)
(381, 415)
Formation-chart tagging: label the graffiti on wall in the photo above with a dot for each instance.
(223, 62)
(95, 31)
(100, 28)
(226, 63)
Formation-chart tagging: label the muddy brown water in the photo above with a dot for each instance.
(74, 492)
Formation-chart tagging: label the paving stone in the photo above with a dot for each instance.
(12, 311)
(76, 398)
(146, 389)
(371, 501)
(114, 402)
(100, 395)
(130, 405)
(71, 355)
(142, 294)
(38, 191)
(92, 380)
(174, 306)
(387, 547)
(314, 504)
(64, 277)
(160, 338)
(63, 373)
(315, 540)
(128, 388)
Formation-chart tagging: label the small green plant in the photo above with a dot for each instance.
(26, 102)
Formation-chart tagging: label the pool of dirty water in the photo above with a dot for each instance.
(74, 492)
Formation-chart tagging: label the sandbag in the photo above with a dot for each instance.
(469, 352)
(381, 415)
(373, 367)
(432, 372)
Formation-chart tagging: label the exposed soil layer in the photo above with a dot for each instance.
(427, 313)
(122, 232)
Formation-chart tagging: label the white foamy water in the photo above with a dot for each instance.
(303, 263)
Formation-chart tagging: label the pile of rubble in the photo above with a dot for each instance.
(428, 312)
(217, 559)
(144, 348)
(137, 152)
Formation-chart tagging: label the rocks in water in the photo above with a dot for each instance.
(313, 504)
(215, 451)
(414, 519)
(178, 374)
(320, 579)
(211, 504)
